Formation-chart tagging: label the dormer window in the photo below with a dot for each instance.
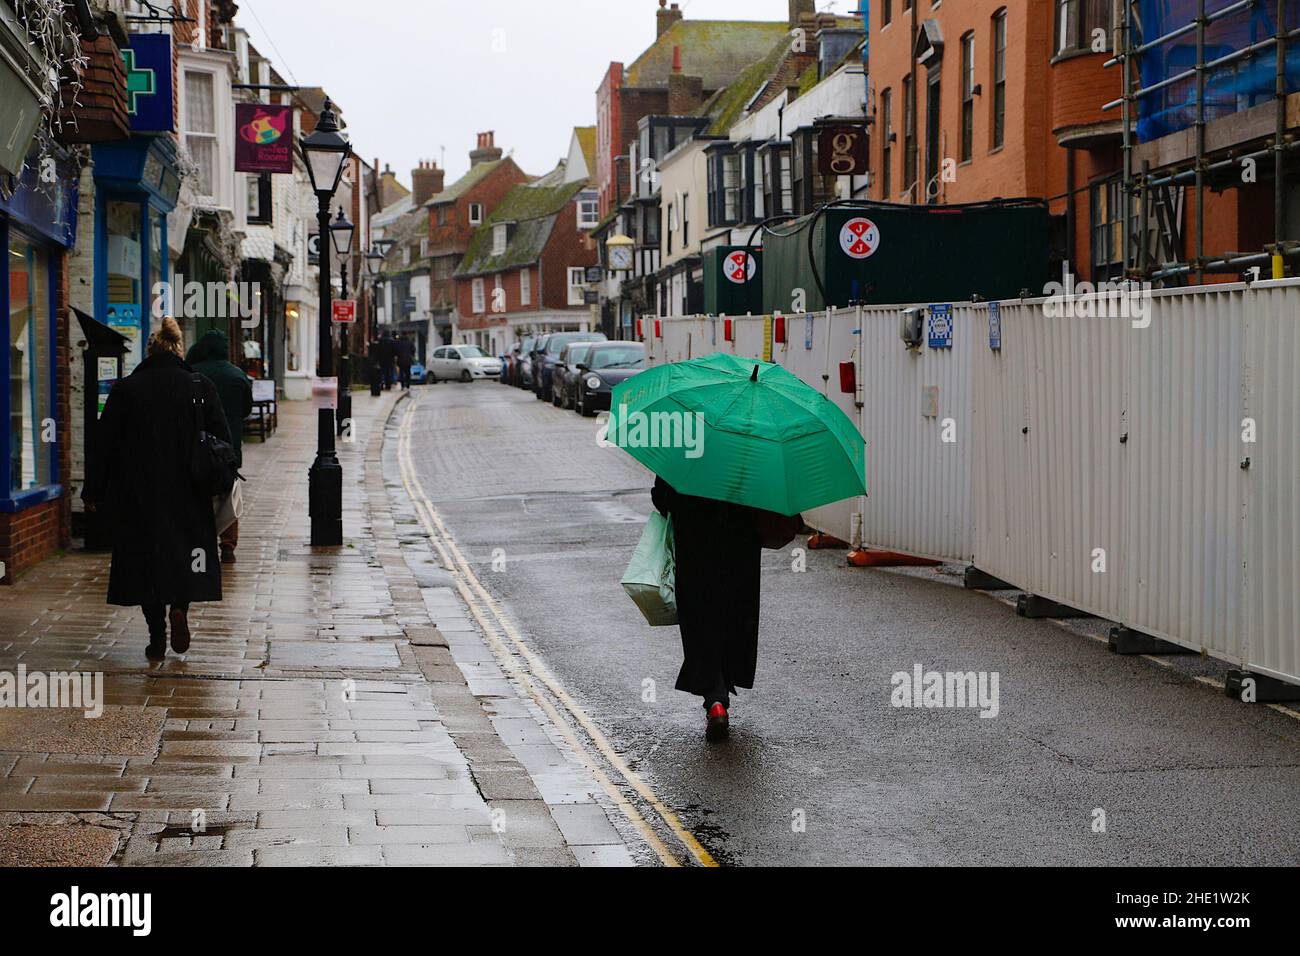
(500, 237)
(476, 214)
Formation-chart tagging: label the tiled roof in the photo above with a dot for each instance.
(532, 209)
(587, 142)
(457, 189)
(717, 51)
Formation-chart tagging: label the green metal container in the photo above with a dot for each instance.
(733, 283)
(884, 253)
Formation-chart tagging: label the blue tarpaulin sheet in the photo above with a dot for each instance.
(1230, 87)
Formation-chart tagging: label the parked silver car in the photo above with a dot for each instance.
(463, 363)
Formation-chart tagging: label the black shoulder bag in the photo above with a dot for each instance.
(212, 461)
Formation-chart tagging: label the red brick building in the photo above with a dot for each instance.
(716, 51)
(991, 98)
(457, 212)
(525, 269)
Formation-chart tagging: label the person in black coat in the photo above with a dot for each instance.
(405, 357)
(164, 532)
(385, 354)
(718, 551)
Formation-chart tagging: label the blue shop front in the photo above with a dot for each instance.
(37, 228)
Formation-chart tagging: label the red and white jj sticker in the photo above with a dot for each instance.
(739, 267)
(859, 238)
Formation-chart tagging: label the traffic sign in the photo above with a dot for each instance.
(345, 310)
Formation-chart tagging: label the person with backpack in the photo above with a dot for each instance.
(163, 452)
(209, 357)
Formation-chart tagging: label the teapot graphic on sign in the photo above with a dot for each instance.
(263, 129)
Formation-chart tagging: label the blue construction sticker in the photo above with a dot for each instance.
(995, 326)
(941, 326)
(808, 332)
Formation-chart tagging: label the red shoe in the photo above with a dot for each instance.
(718, 723)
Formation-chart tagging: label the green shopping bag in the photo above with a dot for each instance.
(651, 576)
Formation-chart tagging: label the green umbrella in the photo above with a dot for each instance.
(739, 430)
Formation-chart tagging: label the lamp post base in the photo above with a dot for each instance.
(325, 487)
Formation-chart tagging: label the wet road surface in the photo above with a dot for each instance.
(820, 768)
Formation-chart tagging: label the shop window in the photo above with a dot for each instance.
(31, 462)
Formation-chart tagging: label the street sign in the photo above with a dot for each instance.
(842, 151)
(595, 274)
(590, 297)
(940, 326)
(859, 238)
(265, 138)
(313, 248)
(345, 310)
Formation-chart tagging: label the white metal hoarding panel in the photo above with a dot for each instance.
(916, 418)
(1182, 561)
(1000, 456)
(1272, 574)
(1072, 486)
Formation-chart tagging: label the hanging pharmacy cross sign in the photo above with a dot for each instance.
(859, 238)
(739, 267)
(345, 310)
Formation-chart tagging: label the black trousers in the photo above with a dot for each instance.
(406, 376)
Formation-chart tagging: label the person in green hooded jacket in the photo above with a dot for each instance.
(210, 356)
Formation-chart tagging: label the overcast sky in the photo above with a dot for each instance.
(415, 76)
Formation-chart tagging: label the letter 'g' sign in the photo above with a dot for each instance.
(842, 151)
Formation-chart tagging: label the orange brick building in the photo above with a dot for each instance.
(1007, 102)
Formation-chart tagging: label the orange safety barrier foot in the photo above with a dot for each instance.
(825, 542)
(865, 558)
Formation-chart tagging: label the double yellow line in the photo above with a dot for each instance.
(493, 623)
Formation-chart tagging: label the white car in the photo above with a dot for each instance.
(464, 363)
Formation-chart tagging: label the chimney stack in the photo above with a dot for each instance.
(799, 9)
(487, 151)
(685, 93)
(667, 16)
(426, 180)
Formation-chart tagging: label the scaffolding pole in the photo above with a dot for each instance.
(1137, 186)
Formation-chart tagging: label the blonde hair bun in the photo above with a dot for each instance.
(167, 338)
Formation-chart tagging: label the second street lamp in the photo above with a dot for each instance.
(341, 232)
(325, 151)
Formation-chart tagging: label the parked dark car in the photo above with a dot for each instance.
(565, 386)
(520, 369)
(531, 358)
(548, 356)
(607, 364)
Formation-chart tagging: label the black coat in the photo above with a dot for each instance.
(718, 555)
(164, 533)
(208, 358)
(405, 353)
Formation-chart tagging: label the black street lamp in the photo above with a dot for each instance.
(341, 232)
(325, 151)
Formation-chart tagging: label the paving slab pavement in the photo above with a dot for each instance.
(339, 707)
